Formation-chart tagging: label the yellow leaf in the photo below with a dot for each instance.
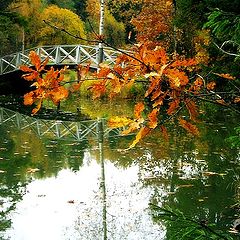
(142, 133)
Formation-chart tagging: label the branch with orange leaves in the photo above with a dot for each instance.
(99, 39)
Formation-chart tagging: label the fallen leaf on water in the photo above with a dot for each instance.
(32, 170)
(213, 173)
(184, 186)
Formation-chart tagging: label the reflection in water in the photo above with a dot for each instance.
(54, 189)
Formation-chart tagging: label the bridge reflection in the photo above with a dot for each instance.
(58, 129)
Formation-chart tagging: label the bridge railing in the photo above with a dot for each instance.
(58, 55)
(57, 129)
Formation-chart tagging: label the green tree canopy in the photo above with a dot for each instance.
(63, 19)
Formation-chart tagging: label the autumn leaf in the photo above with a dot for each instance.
(173, 106)
(184, 63)
(103, 71)
(211, 86)
(139, 107)
(153, 118)
(35, 59)
(25, 68)
(37, 108)
(98, 89)
(31, 76)
(189, 127)
(28, 98)
(197, 85)
(192, 109)
(133, 126)
(59, 94)
(236, 100)
(177, 78)
(141, 134)
(225, 75)
(82, 71)
(153, 85)
(222, 102)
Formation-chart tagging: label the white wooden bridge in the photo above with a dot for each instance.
(58, 55)
(58, 129)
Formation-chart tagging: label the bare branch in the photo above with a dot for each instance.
(70, 34)
(99, 40)
(226, 52)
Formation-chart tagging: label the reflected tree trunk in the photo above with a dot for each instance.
(103, 183)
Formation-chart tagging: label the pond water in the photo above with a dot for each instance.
(59, 188)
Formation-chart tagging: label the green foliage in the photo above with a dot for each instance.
(224, 25)
(124, 11)
(114, 31)
(181, 227)
(80, 8)
(63, 19)
(235, 140)
(10, 36)
(68, 4)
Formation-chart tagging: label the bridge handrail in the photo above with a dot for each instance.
(59, 55)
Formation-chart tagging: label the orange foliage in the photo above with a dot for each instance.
(211, 86)
(154, 19)
(168, 88)
(46, 86)
(166, 81)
